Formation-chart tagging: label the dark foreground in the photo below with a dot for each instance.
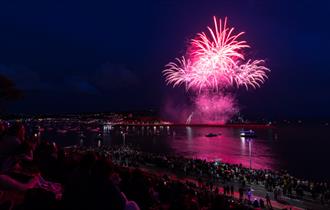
(40, 175)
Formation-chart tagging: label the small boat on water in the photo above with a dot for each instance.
(247, 133)
(211, 135)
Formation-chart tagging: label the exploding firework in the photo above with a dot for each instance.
(178, 73)
(215, 61)
(251, 73)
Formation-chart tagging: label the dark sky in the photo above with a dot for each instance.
(72, 56)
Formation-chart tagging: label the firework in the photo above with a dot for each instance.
(252, 73)
(178, 73)
(213, 64)
(215, 61)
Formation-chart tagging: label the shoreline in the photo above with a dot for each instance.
(234, 125)
(187, 158)
(190, 158)
(128, 157)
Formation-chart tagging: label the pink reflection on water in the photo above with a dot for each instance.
(227, 147)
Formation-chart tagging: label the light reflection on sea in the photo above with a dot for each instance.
(299, 149)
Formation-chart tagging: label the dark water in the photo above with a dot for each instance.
(302, 150)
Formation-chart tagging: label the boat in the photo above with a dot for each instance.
(247, 133)
(211, 135)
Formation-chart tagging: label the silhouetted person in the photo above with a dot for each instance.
(249, 194)
(262, 203)
(10, 145)
(232, 190)
(255, 203)
(241, 192)
(268, 203)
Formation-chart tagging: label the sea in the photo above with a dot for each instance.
(302, 150)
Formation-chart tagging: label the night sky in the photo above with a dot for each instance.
(89, 56)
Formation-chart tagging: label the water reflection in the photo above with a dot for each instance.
(189, 133)
(287, 147)
(227, 146)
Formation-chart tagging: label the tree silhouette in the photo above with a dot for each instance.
(8, 91)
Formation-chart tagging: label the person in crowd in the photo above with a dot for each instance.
(249, 194)
(10, 143)
(256, 203)
(9, 183)
(268, 202)
(276, 193)
(241, 192)
(261, 203)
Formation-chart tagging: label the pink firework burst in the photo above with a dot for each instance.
(178, 73)
(215, 61)
(220, 49)
(251, 73)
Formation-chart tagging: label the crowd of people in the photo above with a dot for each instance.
(38, 174)
(280, 183)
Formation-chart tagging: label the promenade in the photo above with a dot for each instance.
(259, 192)
(198, 172)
